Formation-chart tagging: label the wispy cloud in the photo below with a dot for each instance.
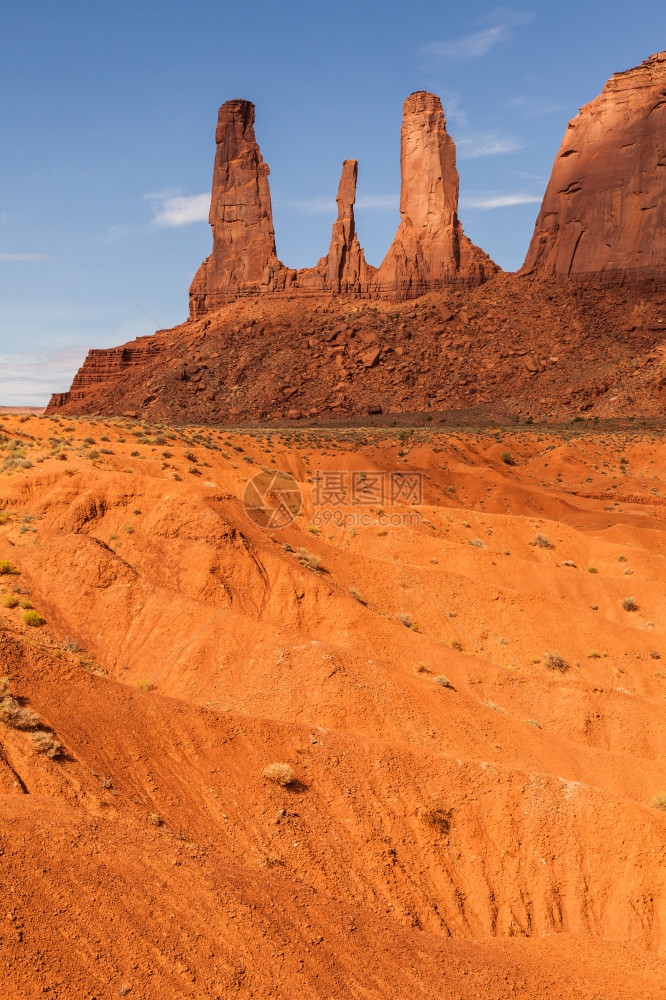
(377, 202)
(476, 144)
(489, 200)
(495, 29)
(24, 256)
(327, 206)
(534, 107)
(28, 378)
(173, 210)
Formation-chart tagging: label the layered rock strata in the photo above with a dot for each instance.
(429, 249)
(604, 211)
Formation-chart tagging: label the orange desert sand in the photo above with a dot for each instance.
(471, 704)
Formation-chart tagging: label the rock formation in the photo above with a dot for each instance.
(604, 211)
(430, 248)
(243, 257)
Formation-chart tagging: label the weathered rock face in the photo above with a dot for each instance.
(243, 258)
(346, 269)
(604, 211)
(430, 247)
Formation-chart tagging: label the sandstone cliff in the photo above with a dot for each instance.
(604, 211)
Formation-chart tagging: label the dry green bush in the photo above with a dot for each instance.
(281, 774)
(33, 618)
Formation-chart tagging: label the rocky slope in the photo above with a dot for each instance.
(604, 211)
(469, 817)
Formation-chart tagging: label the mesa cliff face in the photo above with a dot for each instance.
(604, 211)
(429, 249)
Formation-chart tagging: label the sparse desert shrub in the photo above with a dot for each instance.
(437, 817)
(145, 685)
(442, 681)
(456, 644)
(6, 568)
(33, 618)
(477, 543)
(621, 558)
(554, 661)
(17, 716)
(592, 569)
(508, 458)
(47, 744)
(155, 819)
(569, 562)
(659, 801)
(308, 559)
(10, 600)
(280, 774)
(495, 707)
(26, 605)
(655, 655)
(594, 655)
(533, 722)
(629, 604)
(356, 595)
(406, 620)
(13, 462)
(542, 542)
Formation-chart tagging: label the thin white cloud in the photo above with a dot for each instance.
(490, 200)
(534, 107)
(327, 206)
(174, 210)
(377, 202)
(499, 25)
(28, 378)
(23, 256)
(477, 144)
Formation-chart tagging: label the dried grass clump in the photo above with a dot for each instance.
(554, 661)
(659, 801)
(442, 681)
(17, 716)
(542, 542)
(437, 817)
(280, 774)
(630, 604)
(47, 744)
(308, 559)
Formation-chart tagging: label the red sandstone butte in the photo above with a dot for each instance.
(429, 248)
(604, 210)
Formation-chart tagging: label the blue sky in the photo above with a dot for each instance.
(108, 118)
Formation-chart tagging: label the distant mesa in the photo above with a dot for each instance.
(429, 249)
(604, 211)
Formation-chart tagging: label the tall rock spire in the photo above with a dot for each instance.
(430, 247)
(346, 269)
(243, 257)
(604, 211)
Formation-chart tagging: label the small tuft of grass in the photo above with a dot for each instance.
(508, 458)
(33, 618)
(554, 661)
(594, 655)
(280, 774)
(436, 817)
(308, 559)
(659, 801)
(155, 819)
(6, 568)
(442, 681)
(592, 569)
(542, 542)
(10, 600)
(47, 744)
(533, 722)
(629, 604)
